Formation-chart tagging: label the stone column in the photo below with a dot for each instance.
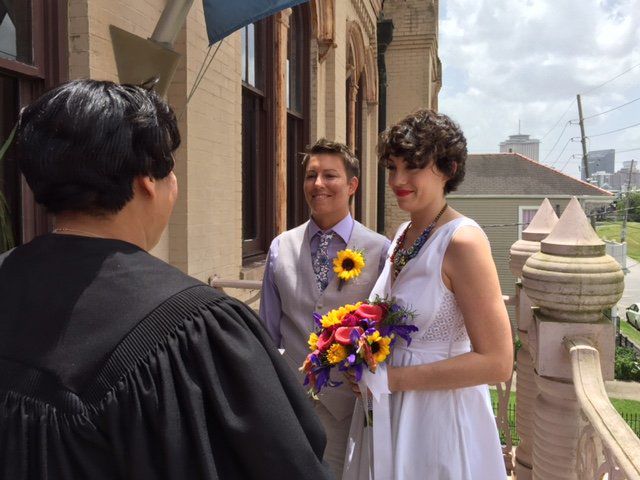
(281, 39)
(526, 391)
(570, 282)
(351, 119)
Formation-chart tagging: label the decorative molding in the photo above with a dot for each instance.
(355, 42)
(371, 74)
(323, 22)
(365, 19)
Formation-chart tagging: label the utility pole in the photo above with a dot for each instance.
(585, 163)
(623, 231)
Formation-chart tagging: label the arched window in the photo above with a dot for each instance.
(33, 58)
(354, 96)
(298, 89)
(257, 152)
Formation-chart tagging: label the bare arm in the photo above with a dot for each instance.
(469, 271)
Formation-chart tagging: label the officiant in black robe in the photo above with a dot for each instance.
(113, 364)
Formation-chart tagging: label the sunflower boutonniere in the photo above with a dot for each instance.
(348, 265)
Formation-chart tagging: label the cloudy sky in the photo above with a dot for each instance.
(510, 60)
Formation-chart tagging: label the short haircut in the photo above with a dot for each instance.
(424, 137)
(81, 145)
(324, 146)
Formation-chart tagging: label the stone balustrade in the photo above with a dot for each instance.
(570, 431)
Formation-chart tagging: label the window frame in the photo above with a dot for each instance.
(521, 210)
(297, 208)
(49, 32)
(263, 156)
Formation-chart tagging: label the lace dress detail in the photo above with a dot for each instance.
(448, 322)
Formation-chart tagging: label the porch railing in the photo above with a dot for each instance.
(607, 446)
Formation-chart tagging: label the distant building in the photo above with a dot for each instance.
(626, 177)
(522, 144)
(600, 161)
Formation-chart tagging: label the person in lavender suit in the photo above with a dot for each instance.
(299, 278)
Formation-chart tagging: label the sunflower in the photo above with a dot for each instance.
(348, 264)
(336, 353)
(379, 346)
(313, 341)
(334, 317)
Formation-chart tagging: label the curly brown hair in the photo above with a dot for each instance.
(424, 137)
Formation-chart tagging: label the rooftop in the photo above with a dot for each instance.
(515, 174)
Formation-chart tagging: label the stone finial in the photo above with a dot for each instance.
(572, 279)
(573, 235)
(541, 225)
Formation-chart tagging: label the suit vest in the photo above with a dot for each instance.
(300, 298)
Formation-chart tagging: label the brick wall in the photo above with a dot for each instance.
(411, 61)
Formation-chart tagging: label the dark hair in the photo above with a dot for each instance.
(425, 137)
(351, 163)
(81, 145)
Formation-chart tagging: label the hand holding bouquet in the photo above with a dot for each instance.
(354, 337)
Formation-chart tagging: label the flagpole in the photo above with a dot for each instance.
(171, 22)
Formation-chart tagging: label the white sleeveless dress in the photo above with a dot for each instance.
(441, 434)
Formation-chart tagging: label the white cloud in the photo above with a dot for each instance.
(510, 60)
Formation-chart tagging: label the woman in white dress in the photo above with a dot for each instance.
(442, 425)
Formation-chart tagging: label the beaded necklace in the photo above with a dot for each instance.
(400, 257)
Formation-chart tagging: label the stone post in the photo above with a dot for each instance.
(526, 391)
(570, 282)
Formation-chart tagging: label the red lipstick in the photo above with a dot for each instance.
(403, 193)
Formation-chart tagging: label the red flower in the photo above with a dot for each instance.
(371, 312)
(325, 339)
(350, 320)
(343, 334)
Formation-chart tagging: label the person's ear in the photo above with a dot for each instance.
(145, 185)
(353, 185)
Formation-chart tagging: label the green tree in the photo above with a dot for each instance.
(634, 207)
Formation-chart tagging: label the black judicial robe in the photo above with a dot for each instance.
(115, 365)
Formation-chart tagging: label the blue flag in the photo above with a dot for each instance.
(224, 17)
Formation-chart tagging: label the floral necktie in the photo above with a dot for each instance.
(321, 261)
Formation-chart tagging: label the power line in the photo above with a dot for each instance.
(629, 150)
(561, 152)
(567, 162)
(561, 117)
(614, 131)
(612, 79)
(557, 140)
(573, 122)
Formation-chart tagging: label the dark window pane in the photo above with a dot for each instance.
(250, 133)
(9, 176)
(15, 30)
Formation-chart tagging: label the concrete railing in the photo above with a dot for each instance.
(607, 445)
(567, 426)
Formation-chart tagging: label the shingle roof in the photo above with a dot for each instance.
(514, 174)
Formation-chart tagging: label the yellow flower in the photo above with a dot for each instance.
(313, 341)
(379, 346)
(348, 264)
(336, 353)
(334, 317)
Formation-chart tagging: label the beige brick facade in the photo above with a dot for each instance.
(414, 74)
(204, 237)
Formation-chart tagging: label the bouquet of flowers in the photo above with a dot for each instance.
(354, 336)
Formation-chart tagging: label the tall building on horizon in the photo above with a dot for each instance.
(600, 161)
(522, 144)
